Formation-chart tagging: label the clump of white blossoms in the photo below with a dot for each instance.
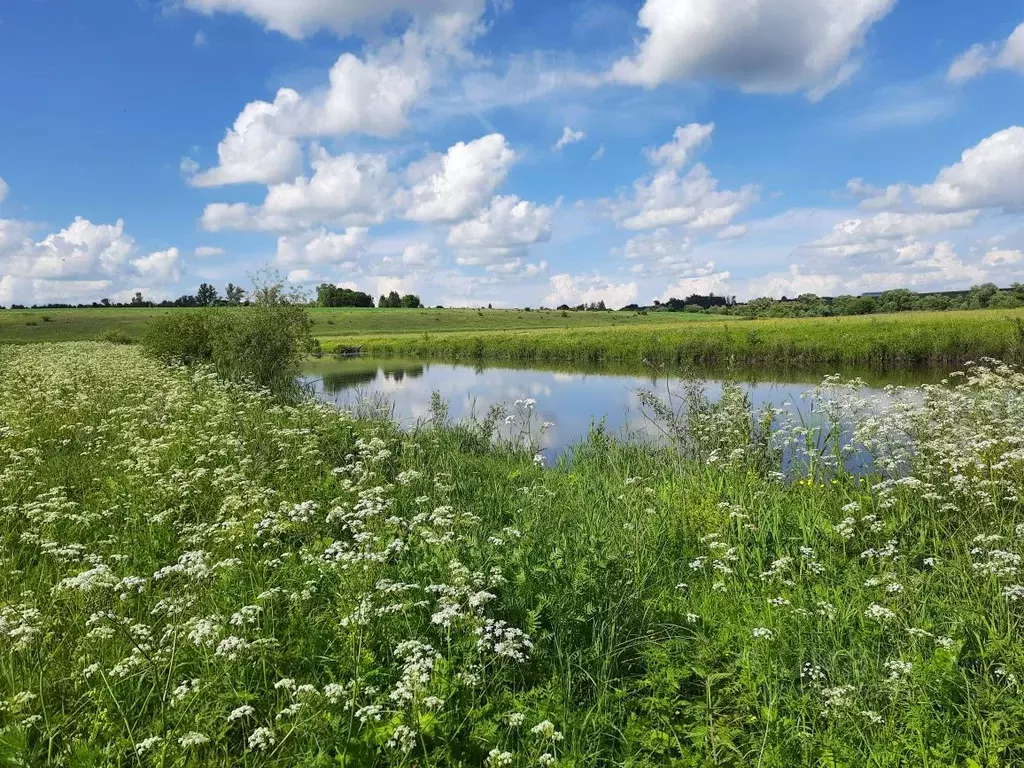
(261, 739)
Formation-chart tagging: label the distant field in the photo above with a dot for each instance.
(22, 326)
(882, 341)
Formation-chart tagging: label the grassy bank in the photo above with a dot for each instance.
(197, 574)
(32, 325)
(884, 341)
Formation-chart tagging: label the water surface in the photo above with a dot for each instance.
(570, 400)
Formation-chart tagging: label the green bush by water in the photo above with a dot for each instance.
(263, 343)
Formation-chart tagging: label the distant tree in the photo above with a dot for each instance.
(328, 295)
(897, 300)
(233, 294)
(853, 305)
(563, 307)
(489, 306)
(411, 301)
(105, 302)
(137, 300)
(206, 295)
(980, 296)
(382, 302)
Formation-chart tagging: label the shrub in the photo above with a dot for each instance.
(118, 337)
(264, 342)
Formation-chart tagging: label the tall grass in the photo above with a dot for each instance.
(882, 341)
(195, 573)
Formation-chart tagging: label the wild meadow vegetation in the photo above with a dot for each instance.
(880, 341)
(196, 571)
(890, 341)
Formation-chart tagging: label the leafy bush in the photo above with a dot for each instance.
(264, 342)
(115, 336)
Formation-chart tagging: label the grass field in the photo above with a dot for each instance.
(196, 574)
(883, 341)
(880, 341)
(21, 326)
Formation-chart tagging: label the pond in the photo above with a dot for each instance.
(570, 400)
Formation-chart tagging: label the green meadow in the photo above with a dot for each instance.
(201, 573)
(880, 341)
(29, 325)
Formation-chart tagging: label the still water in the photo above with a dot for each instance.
(570, 400)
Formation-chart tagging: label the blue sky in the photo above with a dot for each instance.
(514, 152)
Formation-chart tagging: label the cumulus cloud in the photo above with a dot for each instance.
(676, 153)
(569, 136)
(343, 189)
(371, 95)
(996, 257)
(585, 289)
(713, 282)
(670, 197)
(776, 46)
(323, 248)
(693, 199)
(300, 18)
(159, 266)
(506, 228)
(989, 175)
(419, 255)
(450, 187)
(3, 189)
(79, 263)
(854, 236)
(255, 149)
(206, 251)
(982, 57)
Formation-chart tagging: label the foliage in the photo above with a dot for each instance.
(264, 342)
(197, 574)
(880, 341)
(328, 295)
(394, 301)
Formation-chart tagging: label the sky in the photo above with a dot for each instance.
(510, 152)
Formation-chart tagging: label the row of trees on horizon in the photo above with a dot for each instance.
(985, 296)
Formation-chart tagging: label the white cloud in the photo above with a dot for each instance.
(758, 45)
(371, 95)
(676, 153)
(80, 250)
(980, 58)
(255, 149)
(344, 189)
(599, 154)
(988, 175)
(457, 184)
(518, 269)
(160, 266)
(733, 232)
(299, 18)
(997, 257)
(200, 39)
(855, 236)
(3, 189)
(585, 289)
(205, 251)
(569, 136)
(693, 200)
(507, 227)
(322, 248)
(419, 255)
(81, 262)
(716, 282)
